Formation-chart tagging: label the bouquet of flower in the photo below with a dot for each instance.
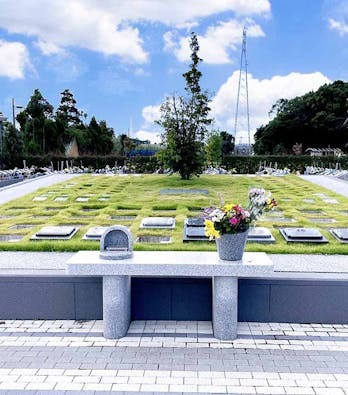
(233, 218)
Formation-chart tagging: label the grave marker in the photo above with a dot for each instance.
(302, 235)
(158, 223)
(55, 233)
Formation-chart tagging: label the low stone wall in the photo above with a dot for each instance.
(267, 300)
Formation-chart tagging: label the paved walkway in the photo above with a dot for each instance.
(69, 357)
(20, 189)
(332, 183)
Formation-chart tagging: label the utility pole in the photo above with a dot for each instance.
(13, 112)
(243, 94)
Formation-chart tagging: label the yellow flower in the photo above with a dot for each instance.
(210, 231)
(228, 207)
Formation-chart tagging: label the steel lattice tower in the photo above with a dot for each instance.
(243, 96)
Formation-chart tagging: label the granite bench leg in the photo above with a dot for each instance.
(225, 307)
(116, 306)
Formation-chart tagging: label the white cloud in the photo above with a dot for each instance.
(153, 137)
(215, 44)
(262, 95)
(341, 27)
(14, 59)
(151, 114)
(149, 130)
(106, 26)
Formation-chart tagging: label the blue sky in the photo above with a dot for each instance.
(121, 58)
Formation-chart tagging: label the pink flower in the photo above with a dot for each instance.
(234, 221)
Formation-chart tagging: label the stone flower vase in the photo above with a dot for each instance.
(230, 246)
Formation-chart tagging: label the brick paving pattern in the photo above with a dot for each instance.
(70, 357)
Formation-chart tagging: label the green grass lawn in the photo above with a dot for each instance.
(140, 197)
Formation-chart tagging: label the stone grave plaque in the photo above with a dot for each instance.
(277, 219)
(39, 198)
(194, 230)
(260, 235)
(311, 211)
(154, 239)
(55, 233)
(95, 233)
(22, 226)
(307, 200)
(341, 234)
(331, 201)
(322, 220)
(158, 222)
(198, 221)
(302, 235)
(82, 199)
(123, 217)
(184, 192)
(11, 238)
(61, 198)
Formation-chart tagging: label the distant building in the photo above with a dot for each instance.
(242, 149)
(72, 149)
(324, 151)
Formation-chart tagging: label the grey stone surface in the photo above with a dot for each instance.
(170, 264)
(158, 222)
(154, 239)
(260, 235)
(116, 243)
(55, 233)
(341, 234)
(116, 306)
(94, 233)
(334, 184)
(184, 191)
(302, 235)
(23, 188)
(231, 246)
(225, 301)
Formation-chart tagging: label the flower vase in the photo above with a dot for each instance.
(230, 246)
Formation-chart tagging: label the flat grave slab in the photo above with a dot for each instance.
(308, 200)
(194, 230)
(184, 192)
(331, 201)
(277, 219)
(61, 199)
(158, 223)
(154, 239)
(95, 233)
(123, 217)
(39, 198)
(310, 212)
(322, 220)
(260, 235)
(55, 233)
(195, 221)
(341, 234)
(22, 226)
(302, 235)
(11, 238)
(82, 199)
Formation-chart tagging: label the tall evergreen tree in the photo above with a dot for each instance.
(185, 121)
(33, 121)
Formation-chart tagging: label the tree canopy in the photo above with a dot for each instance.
(185, 121)
(317, 119)
(42, 131)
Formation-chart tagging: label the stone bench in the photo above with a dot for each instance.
(117, 282)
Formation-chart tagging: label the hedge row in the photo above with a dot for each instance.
(145, 164)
